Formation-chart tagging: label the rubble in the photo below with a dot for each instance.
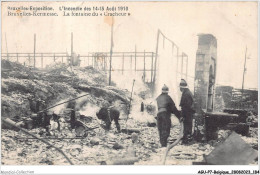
(137, 144)
(82, 152)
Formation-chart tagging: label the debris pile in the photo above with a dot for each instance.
(21, 86)
(138, 143)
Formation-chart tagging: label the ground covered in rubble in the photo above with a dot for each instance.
(97, 147)
(101, 146)
(59, 83)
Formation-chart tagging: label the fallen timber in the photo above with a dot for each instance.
(90, 89)
(98, 91)
(62, 103)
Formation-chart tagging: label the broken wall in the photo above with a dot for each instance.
(205, 72)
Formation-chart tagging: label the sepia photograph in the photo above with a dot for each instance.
(130, 83)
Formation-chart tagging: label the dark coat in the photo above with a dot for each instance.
(165, 101)
(187, 113)
(187, 101)
(104, 115)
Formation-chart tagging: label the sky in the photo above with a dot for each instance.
(234, 24)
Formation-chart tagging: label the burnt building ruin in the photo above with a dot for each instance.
(205, 72)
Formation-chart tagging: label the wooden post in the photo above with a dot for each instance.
(62, 59)
(135, 58)
(152, 69)
(123, 64)
(244, 74)
(17, 57)
(111, 52)
(156, 56)
(42, 60)
(54, 59)
(34, 51)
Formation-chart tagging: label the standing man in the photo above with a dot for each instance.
(187, 111)
(72, 106)
(166, 106)
(142, 107)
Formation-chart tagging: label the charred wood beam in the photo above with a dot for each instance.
(62, 103)
(98, 91)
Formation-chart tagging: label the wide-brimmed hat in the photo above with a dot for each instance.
(165, 89)
(183, 84)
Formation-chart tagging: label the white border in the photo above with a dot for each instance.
(136, 169)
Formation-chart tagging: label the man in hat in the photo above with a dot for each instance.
(108, 115)
(166, 106)
(187, 110)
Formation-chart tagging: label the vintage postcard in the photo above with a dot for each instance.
(130, 83)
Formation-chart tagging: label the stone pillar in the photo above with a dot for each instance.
(205, 76)
(205, 72)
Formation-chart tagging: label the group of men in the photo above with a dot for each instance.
(166, 107)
